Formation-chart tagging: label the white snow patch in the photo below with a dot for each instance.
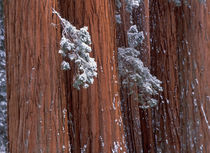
(205, 117)
(83, 149)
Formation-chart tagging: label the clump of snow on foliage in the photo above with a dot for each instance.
(130, 4)
(83, 149)
(134, 36)
(133, 72)
(75, 46)
(117, 147)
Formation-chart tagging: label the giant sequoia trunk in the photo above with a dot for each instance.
(40, 95)
(95, 116)
(36, 92)
(137, 121)
(180, 58)
(177, 43)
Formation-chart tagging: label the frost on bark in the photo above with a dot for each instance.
(37, 119)
(94, 114)
(180, 57)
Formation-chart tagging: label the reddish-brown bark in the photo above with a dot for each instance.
(180, 52)
(96, 111)
(141, 17)
(36, 92)
(46, 114)
(178, 124)
(130, 109)
(138, 122)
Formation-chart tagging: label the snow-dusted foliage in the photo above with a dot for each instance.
(3, 103)
(130, 4)
(134, 36)
(118, 18)
(75, 46)
(134, 73)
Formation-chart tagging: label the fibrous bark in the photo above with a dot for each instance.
(94, 113)
(179, 55)
(138, 123)
(45, 112)
(36, 93)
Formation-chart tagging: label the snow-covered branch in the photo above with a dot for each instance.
(134, 73)
(75, 46)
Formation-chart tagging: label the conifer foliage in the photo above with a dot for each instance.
(75, 46)
(134, 73)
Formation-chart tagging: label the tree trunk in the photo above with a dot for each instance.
(36, 91)
(41, 97)
(95, 112)
(45, 112)
(178, 38)
(179, 55)
(138, 122)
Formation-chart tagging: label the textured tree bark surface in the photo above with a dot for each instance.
(46, 114)
(141, 17)
(178, 38)
(130, 108)
(130, 116)
(95, 115)
(180, 58)
(35, 86)
(40, 101)
(137, 122)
